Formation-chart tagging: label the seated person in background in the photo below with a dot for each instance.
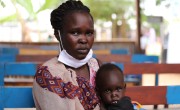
(110, 87)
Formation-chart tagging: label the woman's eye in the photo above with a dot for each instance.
(107, 91)
(75, 33)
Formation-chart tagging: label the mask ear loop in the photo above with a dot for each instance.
(61, 45)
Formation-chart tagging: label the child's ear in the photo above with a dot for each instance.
(97, 89)
(125, 86)
(97, 92)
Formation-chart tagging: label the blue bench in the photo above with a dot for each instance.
(9, 50)
(7, 54)
(21, 97)
(135, 58)
(7, 58)
(142, 58)
(122, 51)
(12, 96)
(154, 94)
(139, 58)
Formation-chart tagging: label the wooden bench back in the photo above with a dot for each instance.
(33, 58)
(101, 57)
(140, 68)
(114, 58)
(135, 58)
(152, 95)
(149, 95)
(146, 95)
(13, 96)
(9, 50)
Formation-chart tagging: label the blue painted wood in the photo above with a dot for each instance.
(156, 79)
(172, 95)
(1, 98)
(7, 58)
(126, 79)
(120, 65)
(141, 58)
(17, 68)
(9, 50)
(122, 51)
(18, 97)
(1, 74)
(1, 85)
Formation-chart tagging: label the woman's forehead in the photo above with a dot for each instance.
(75, 17)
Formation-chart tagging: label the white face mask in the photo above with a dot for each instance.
(67, 59)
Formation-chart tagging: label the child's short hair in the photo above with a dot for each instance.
(106, 68)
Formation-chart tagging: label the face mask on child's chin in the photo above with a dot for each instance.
(67, 59)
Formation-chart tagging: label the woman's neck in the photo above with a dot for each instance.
(82, 71)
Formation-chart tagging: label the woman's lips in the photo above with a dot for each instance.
(83, 51)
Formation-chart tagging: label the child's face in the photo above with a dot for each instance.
(112, 87)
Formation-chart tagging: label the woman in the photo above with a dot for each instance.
(66, 82)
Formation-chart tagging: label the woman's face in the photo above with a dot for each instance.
(78, 34)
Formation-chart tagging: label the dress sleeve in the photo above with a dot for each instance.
(57, 88)
(50, 92)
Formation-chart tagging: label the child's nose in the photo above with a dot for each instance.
(114, 94)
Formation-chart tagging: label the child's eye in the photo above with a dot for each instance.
(89, 34)
(107, 91)
(119, 89)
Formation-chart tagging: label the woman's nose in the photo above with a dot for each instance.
(83, 39)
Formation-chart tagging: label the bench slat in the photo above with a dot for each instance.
(114, 58)
(151, 68)
(141, 58)
(24, 69)
(33, 58)
(147, 95)
(7, 58)
(16, 97)
(173, 96)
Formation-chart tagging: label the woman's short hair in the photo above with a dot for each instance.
(58, 14)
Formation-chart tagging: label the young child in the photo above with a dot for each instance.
(110, 87)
